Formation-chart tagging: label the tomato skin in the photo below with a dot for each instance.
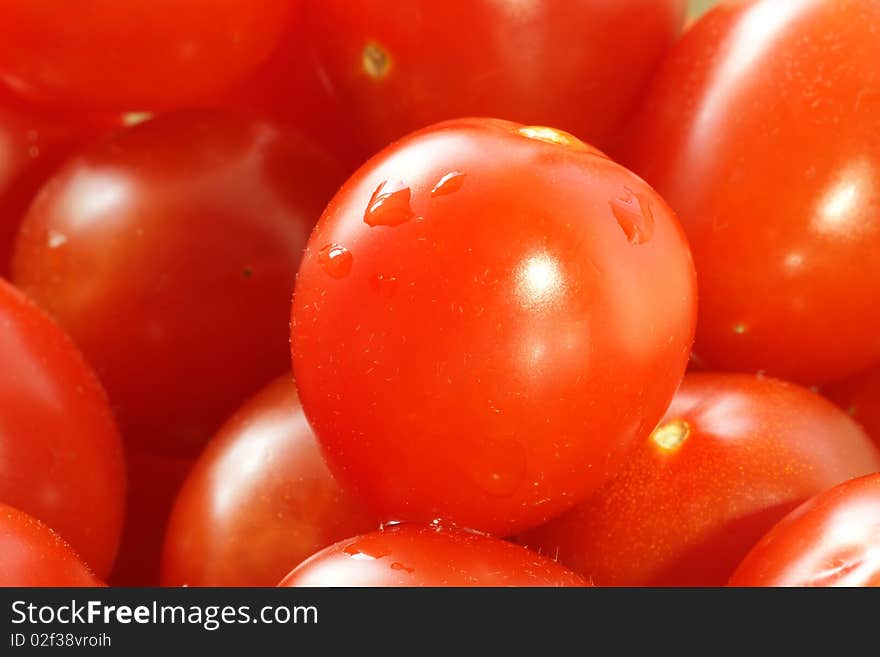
(860, 397)
(831, 540)
(415, 556)
(259, 500)
(403, 66)
(487, 355)
(62, 455)
(168, 252)
(686, 515)
(127, 55)
(777, 106)
(31, 554)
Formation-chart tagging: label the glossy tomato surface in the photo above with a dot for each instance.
(831, 540)
(762, 131)
(414, 555)
(61, 453)
(259, 501)
(400, 66)
(134, 54)
(732, 456)
(31, 554)
(487, 315)
(169, 252)
(860, 397)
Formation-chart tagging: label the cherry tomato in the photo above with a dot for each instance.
(61, 453)
(33, 144)
(732, 456)
(169, 252)
(414, 555)
(402, 66)
(31, 554)
(860, 397)
(487, 315)
(134, 54)
(831, 540)
(762, 130)
(153, 483)
(259, 501)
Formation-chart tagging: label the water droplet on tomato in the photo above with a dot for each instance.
(368, 548)
(56, 239)
(389, 205)
(335, 260)
(448, 184)
(634, 215)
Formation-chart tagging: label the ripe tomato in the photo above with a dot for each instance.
(131, 54)
(259, 500)
(402, 66)
(860, 397)
(762, 130)
(831, 540)
(487, 315)
(413, 555)
(169, 253)
(61, 453)
(33, 144)
(31, 554)
(732, 456)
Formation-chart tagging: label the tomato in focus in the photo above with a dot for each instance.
(762, 131)
(413, 555)
(169, 253)
(486, 317)
(860, 397)
(34, 555)
(831, 540)
(578, 65)
(61, 453)
(259, 500)
(733, 455)
(134, 54)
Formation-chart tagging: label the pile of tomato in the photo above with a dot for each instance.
(621, 331)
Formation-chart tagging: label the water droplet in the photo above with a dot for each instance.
(555, 136)
(633, 213)
(497, 466)
(56, 239)
(448, 184)
(375, 60)
(389, 205)
(399, 566)
(740, 329)
(386, 286)
(367, 548)
(133, 118)
(335, 260)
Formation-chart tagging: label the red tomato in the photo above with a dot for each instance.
(412, 555)
(732, 456)
(153, 483)
(169, 253)
(61, 454)
(134, 54)
(487, 315)
(33, 144)
(831, 540)
(31, 554)
(259, 500)
(577, 65)
(860, 397)
(762, 130)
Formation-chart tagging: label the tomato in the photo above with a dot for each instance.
(486, 316)
(31, 554)
(831, 540)
(578, 65)
(860, 397)
(732, 456)
(169, 252)
(131, 54)
(61, 453)
(762, 130)
(259, 500)
(153, 483)
(33, 144)
(414, 555)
